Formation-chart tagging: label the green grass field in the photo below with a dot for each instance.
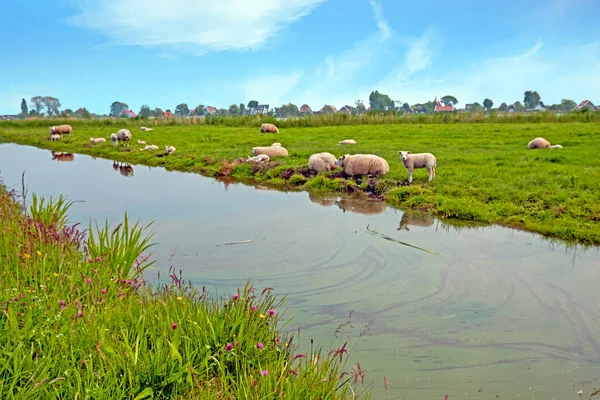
(484, 171)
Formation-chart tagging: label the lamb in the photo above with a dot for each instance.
(271, 151)
(418, 160)
(348, 141)
(261, 158)
(276, 144)
(61, 129)
(146, 129)
(541, 143)
(268, 128)
(124, 135)
(321, 162)
(363, 164)
(113, 138)
(140, 142)
(97, 140)
(54, 137)
(170, 149)
(150, 147)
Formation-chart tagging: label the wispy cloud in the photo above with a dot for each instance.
(382, 23)
(271, 89)
(191, 26)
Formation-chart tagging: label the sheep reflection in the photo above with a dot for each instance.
(415, 218)
(60, 156)
(124, 169)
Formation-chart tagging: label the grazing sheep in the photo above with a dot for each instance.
(150, 147)
(415, 218)
(276, 144)
(322, 162)
(268, 128)
(54, 137)
(261, 158)
(541, 143)
(61, 129)
(271, 151)
(363, 164)
(97, 140)
(146, 129)
(170, 149)
(114, 138)
(348, 141)
(124, 135)
(60, 156)
(140, 142)
(418, 160)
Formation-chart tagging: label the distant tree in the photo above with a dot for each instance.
(359, 107)
(568, 105)
(447, 100)
(52, 105)
(242, 108)
(182, 110)
(424, 107)
(199, 110)
(117, 108)
(145, 111)
(476, 107)
(234, 109)
(38, 104)
(158, 112)
(24, 109)
(289, 110)
(380, 102)
(221, 112)
(406, 108)
(32, 112)
(68, 112)
(531, 99)
(252, 103)
(518, 106)
(487, 103)
(327, 109)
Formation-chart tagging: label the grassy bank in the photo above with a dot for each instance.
(78, 321)
(484, 173)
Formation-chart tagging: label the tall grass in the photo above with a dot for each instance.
(318, 120)
(76, 326)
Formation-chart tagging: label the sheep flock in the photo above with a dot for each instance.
(322, 162)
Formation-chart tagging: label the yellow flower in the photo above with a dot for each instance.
(55, 274)
(286, 345)
(39, 253)
(26, 255)
(179, 298)
(262, 315)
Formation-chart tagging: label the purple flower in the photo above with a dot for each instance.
(61, 302)
(174, 326)
(98, 258)
(80, 314)
(254, 308)
(260, 345)
(271, 312)
(103, 291)
(265, 373)
(89, 281)
(62, 307)
(235, 296)
(229, 347)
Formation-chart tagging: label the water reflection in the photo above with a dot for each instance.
(61, 156)
(124, 169)
(415, 218)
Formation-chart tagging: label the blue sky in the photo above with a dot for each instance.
(219, 52)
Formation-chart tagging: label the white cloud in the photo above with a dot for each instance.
(191, 26)
(382, 24)
(270, 89)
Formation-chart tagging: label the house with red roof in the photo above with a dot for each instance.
(167, 114)
(345, 110)
(440, 108)
(129, 114)
(305, 109)
(588, 104)
(211, 110)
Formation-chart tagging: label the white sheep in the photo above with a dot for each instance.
(55, 137)
(261, 158)
(140, 142)
(124, 135)
(97, 140)
(418, 160)
(114, 138)
(348, 141)
(541, 143)
(555, 146)
(276, 144)
(150, 147)
(271, 151)
(146, 129)
(320, 162)
(268, 128)
(363, 164)
(61, 129)
(170, 149)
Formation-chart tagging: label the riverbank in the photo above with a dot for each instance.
(484, 172)
(78, 319)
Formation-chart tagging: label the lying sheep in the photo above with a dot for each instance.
(124, 135)
(418, 160)
(348, 141)
(268, 128)
(114, 138)
(150, 147)
(322, 162)
(146, 129)
(541, 143)
(97, 140)
(276, 144)
(170, 149)
(363, 164)
(271, 151)
(140, 142)
(261, 158)
(54, 137)
(61, 129)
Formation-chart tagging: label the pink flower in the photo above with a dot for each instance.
(61, 302)
(98, 258)
(62, 307)
(254, 308)
(229, 347)
(80, 314)
(90, 260)
(260, 345)
(271, 312)
(174, 326)
(89, 281)
(236, 296)
(265, 373)
(103, 291)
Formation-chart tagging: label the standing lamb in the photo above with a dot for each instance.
(271, 151)
(363, 164)
(418, 160)
(114, 138)
(320, 162)
(124, 135)
(268, 128)
(54, 137)
(61, 129)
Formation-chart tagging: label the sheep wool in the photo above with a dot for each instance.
(268, 128)
(348, 141)
(97, 140)
(54, 137)
(61, 129)
(271, 151)
(363, 164)
(261, 158)
(418, 160)
(538, 143)
(320, 162)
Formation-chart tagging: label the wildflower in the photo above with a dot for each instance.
(287, 344)
(61, 302)
(235, 296)
(298, 356)
(89, 281)
(55, 274)
(98, 258)
(103, 291)
(20, 295)
(63, 307)
(80, 314)
(260, 345)
(293, 372)
(254, 308)
(262, 315)
(179, 298)
(174, 326)
(26, 255)
(120, 294)
(90, 260)
(237, 344)
(229, 347)
(271, 312)
(39, 253)
(265, 373)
